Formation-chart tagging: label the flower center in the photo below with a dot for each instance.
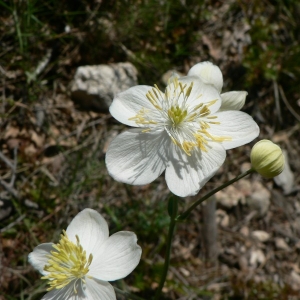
(66, 263)
(187, 125)
(176, 115)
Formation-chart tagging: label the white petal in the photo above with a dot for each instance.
(211, 161)
(38, 257)
(67, 293)
(128, 103)
(233, 100)
(137, 157)
(186, 175)
(99, 290)
(201, 93)
(237, 125)
(91, 229)
(117, 257)
(209, 73)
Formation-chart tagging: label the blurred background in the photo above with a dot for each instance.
(55, 128)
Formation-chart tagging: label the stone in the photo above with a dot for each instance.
(259, 200)
(222, 218)
(257, 257)
(286, 179)
(281, 244)
(261, 235)
(94, 87)
(229, 197)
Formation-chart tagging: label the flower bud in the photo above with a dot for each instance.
(267, 159)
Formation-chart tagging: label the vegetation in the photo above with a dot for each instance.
(56, 153)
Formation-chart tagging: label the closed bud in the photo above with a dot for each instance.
(267, 159)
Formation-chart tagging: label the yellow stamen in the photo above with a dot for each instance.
(188, 92)
(201, 142)
(187, 127)
(146, 130)
(215, 138)
(187, 147)
(140, 119)
(176, 115)
(67, 263)
(210, 103)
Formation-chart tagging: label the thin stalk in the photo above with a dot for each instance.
(172, 210)
(185, 214)
(18, 28)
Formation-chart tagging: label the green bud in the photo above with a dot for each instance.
(267, 159)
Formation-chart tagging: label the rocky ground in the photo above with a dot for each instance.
(53, 141)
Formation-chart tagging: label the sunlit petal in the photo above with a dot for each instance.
(87, 225)
(137, 157)
(201, 93)
(98, 289)
(73, 291)
(38, 258)
(117, 257)
(128, 103)
(233, 100)
(185, 175)
(209, 73)
(237, 125)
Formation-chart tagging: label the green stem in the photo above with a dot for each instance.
(172, 208)
(127, 294)
(185, 214)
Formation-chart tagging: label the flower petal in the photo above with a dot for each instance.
(233, 100)
(237, 125)
(91, 228)
(128, 103)
(117, 257)
(137, 157)
(98, 289)
(209, 73)
(186, 175)
(38, 257)
(201, 93)
(67, 292)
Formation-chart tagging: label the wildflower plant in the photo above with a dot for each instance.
(185, 131)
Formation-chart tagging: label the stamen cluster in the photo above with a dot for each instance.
(67, 263)
(185, 124)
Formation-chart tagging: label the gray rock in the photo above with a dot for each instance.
(259, 199)
(286, 179)
(94, 87)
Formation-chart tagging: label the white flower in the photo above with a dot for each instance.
(211, 74)
(180, 131)
(85, 258)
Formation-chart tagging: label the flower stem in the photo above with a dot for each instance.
(185, 214)
(172, 207)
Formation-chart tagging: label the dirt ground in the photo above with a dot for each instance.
(52, 161)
